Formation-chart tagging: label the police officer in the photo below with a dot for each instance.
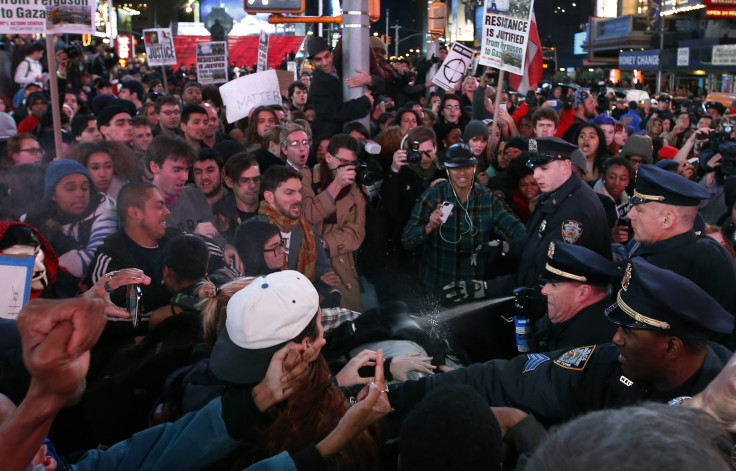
(576, 286)
(662, 218)
(567, 211)
(659, 353)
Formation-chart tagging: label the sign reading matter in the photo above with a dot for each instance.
(242, 95)
(159, 46)
(454, 66)
(47, 16)
(212, 62)
(506, 26)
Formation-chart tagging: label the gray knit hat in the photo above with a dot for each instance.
(638, 145)
(8, 127)
(473, 129)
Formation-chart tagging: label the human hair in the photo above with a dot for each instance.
(9, 107)
(617, 161)
(286, 130)
(141, 120)
(400, 113)
(545, 113)
(214, 306)
(251, 133)
(132, 195)
(650, 126)
(12, 146)
(451, 429)
(357, 127)
(205, 153)
(165, 146)
(294, 85)
(191, 83)
(239, 163)
(187, 257)
(273, 135)
(275, 175)
(18, 234)
(79, 123)
(137, 90)
(390, 141)
(126, 165)
(305, 124)
(250, 241)
(212, 93)
(601, 153)
(644, 437)
(24, 182)
(189, 110)
(166, 100)
(342, 141)
(420, 134)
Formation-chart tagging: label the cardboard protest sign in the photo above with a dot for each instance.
(454, 66)
(506, 25)
(47, 16)
(262, 52)
(212, 62)
(245, 93)
(16, 272)
(159, 46)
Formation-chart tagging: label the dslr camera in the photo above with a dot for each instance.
(74, 50)
(413, 156)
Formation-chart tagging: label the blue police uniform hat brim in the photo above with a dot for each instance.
(656, 299)
(656, 184)
(575, 263)
(239, 365)
(546, 149)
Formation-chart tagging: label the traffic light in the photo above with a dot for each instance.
(294, 7)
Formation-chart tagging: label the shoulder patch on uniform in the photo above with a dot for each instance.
(571, 231)
(575, 359)
(533, 361)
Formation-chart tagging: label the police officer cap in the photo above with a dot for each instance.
(459, 155)
(657, 299)
(315, 46)
(566, 262)
(546, 149)
(656, 184)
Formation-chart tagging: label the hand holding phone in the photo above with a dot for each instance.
(446, 210)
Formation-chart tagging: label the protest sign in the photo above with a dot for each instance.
(262, 63)
(50, 17)
(506, 25)
(245, 93)
(16, 272)
(159, 46)
(212, 62)
(454, 66)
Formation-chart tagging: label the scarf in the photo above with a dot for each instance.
(307, 257)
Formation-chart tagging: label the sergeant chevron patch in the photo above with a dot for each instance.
(533, 361)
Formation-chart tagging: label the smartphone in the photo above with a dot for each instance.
(446, 210)
(502, 105)
(693, 160)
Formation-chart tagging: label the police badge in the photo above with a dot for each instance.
(571, 231)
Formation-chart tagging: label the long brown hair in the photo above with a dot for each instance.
(309, 416)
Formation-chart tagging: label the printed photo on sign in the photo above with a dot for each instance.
(16, 273)
(212, 62)
(247, 92)
(58, 17)
(159, 46)
(505, 35)
(454, 66)
(70, 18)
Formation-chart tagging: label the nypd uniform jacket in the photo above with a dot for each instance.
(556, 386)
(589, 326)
(573, 214)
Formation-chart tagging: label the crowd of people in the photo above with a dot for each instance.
(261, 294)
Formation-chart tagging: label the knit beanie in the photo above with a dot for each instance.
(638, 145)
(8, 127)
(473, 129)
(60, 169)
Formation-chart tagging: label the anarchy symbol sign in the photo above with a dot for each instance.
(454, 70)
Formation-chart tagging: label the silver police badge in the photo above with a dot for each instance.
(571, 231)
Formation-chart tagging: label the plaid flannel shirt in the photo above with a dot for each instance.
(444, 261)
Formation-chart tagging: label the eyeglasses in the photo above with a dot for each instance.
(245, 180)
(281, 248)
(170, 112)
(302, 143)
(452, 107)
(33, 150)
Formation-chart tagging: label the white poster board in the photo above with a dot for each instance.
(262, 52)
(15, 290)
(50, 17)
(454, 66)
(245, 93)
(506, 26)
(159, 46)
(212, 62)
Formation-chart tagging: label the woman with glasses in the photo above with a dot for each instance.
(73, 216)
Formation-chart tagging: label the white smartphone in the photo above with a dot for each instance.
(446, 210)
(502, 105)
